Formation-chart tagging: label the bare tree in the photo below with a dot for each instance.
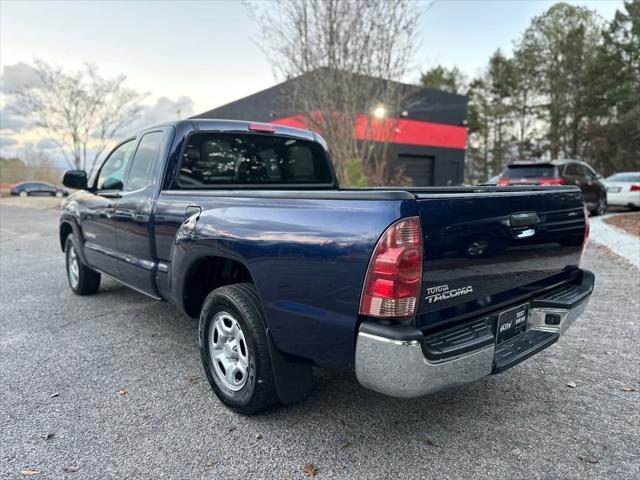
(347, 52)
(81, 112)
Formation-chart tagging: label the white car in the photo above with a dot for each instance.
(623, 189)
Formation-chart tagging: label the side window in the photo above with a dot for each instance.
(590, 174)
(111, 174)
(583, 171)
(572, 170)
(144, 164)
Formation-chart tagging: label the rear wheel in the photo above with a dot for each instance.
(23, 193)
(233, 348)
(82, 279)
(59, 194)
(601, 208)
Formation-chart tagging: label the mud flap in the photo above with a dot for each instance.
(293, 380)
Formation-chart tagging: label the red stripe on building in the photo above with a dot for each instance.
(397, 130)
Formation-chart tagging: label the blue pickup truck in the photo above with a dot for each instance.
(244, 226)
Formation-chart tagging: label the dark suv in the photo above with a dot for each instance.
(560, 172)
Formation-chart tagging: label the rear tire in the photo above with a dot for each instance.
(234, 351)
(23, 194)
(601, 208)
(82, 279)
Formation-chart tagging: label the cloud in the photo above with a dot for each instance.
(7, 142)
(164, 110)
(18, 76)
(46, 144)
(14, 122)
(19, 132)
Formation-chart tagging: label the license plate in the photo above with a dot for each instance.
(613, 189)
(512, 322)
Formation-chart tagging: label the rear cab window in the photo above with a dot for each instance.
(212, 159)
(530, 171)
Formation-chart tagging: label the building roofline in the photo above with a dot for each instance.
(278, 86)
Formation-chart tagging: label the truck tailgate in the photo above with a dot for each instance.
(486, 249)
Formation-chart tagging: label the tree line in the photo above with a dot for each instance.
(570, 89)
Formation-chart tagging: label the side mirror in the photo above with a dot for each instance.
(112, 184)
(75, 179)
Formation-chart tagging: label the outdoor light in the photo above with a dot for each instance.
(380, 111)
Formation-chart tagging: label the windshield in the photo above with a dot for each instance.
(240, 158)
(625, 177)
(530, 171)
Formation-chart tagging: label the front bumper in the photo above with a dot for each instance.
(401, 362)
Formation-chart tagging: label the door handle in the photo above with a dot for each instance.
(108, 194)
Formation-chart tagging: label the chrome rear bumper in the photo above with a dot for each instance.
(399, 367)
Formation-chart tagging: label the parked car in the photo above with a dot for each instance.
(623, 189)
(25, 189)
(245, 227)
(560, 172)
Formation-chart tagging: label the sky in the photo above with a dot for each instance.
(193, 56)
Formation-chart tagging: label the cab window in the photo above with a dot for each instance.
(142, 172)
(214, 158)
(112, 172)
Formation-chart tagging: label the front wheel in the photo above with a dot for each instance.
(82, 279)
(23, 194)
(233, 348)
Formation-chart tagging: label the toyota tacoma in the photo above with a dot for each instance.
(245, 227)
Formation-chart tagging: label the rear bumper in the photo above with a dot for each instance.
(624, 198)
(401, 362)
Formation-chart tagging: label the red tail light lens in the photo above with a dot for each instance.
(551, 181)
(587, 231)
(392, 283)
(634, 188)
(503, 181)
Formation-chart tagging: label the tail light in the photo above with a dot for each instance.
(392, 283)
(551, 181)
(262, 127)
(503, 181)
(587, 231)
(634, 188)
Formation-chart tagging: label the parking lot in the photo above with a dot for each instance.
(111, 385)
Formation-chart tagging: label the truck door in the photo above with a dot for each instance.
(98, 207)
(134, 212)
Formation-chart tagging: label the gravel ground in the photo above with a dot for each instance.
(615, 239)
(64, 359)
(629, 222)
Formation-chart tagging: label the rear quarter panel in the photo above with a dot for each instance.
(307, 257)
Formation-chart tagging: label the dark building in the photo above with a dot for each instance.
(429, 142)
